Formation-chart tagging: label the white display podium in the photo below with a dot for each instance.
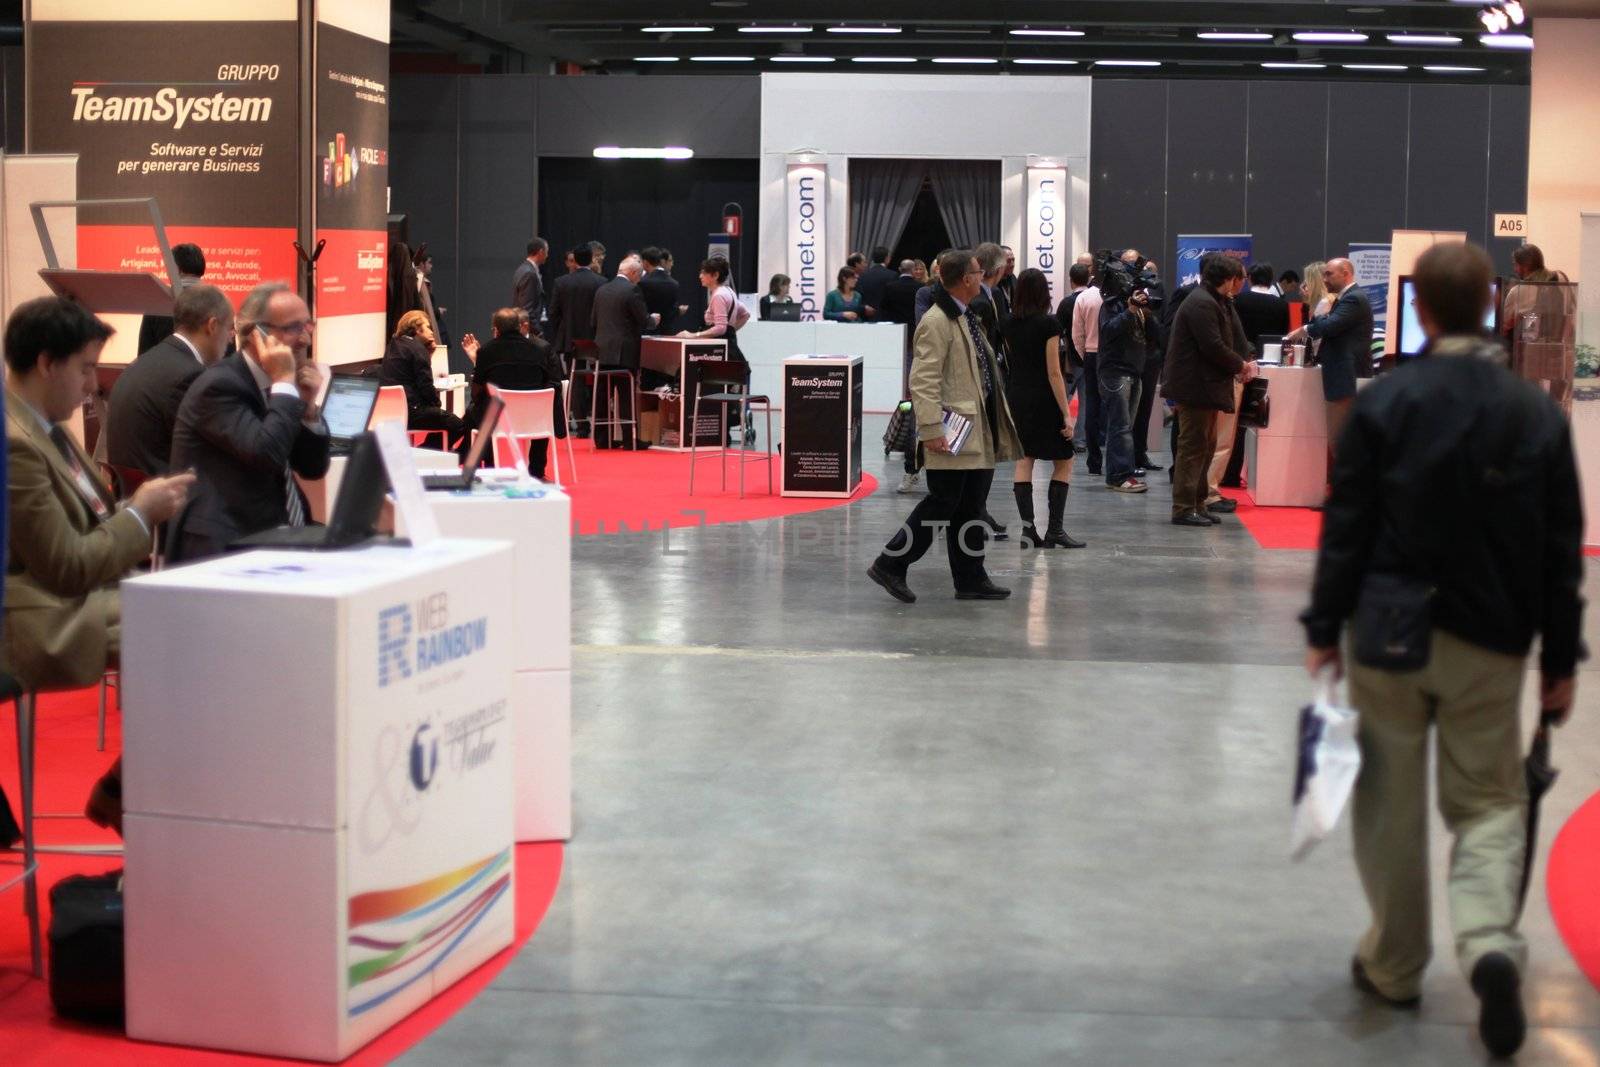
(317, 791)
(539, 529)
(1286, 464)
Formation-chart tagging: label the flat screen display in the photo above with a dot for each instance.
(1411, 339)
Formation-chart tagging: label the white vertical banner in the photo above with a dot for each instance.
(806, 214)
(1044, 237)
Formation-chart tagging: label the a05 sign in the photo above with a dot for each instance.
(1511, 226)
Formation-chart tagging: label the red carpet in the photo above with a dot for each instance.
(67, 765)
(1570, 881)
(625, 492)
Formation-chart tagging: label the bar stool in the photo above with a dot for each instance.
(613, 421)
(585, 360)
(732, 384)
(26, 703)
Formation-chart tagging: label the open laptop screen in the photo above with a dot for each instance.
(348, 404)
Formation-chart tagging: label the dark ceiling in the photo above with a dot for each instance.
(958, 36)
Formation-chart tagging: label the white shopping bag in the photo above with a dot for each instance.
(1329, 761)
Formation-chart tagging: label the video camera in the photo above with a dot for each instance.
(1119, 280)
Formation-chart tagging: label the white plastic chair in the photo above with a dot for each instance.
(391, 406)
(532, 414)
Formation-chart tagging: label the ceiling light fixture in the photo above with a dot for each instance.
(883, 59)
(1047, 62)
(774, 29)
(1232, 35)
(1028, 31)
(801, 59)
(964, 59)
(1506, 40)
(1454, 70)
(1423, 38)
(863, 29)
(1324, 37)
(1127, 62)
(669, 152)
(1375, 66)
(655, 59)
(676, 29)
(1294, 66)
(722, 59)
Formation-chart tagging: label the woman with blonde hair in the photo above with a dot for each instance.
(408, 363)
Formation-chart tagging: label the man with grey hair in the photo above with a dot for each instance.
(248, 425)
(620, 318)
(143, 407)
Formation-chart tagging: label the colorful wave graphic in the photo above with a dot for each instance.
(407, 933)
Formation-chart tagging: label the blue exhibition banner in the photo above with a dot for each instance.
(1191, 246)
(1371, 263)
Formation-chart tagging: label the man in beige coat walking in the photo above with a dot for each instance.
(953, 369)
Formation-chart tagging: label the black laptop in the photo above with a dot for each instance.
(443, 481)
(789, 312)
(347, 409)
(354, 518)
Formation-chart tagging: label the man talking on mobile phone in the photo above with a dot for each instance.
(1453, 536)
(247, 426)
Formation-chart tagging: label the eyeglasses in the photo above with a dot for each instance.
(302, 326)
(974, 273)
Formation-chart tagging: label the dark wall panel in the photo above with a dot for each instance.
(1449, 170)
(1205, 159)
(1288, 146)
(423, 142)
(1367, 130)
(718, 117)
(1508, 169)
(1127, 191)
(499, 172)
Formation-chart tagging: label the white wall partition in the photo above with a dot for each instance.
(825, 119)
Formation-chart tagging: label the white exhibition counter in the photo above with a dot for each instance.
(537, 521)
(881, 346)
(318, 791)
(1286, 464)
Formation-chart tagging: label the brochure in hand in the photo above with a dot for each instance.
(957, 428)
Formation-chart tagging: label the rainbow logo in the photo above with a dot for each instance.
(399, 936)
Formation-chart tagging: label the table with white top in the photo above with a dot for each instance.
(1286, 464)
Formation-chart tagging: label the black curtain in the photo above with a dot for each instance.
(882, 194)
(630, 203)
(968, 191)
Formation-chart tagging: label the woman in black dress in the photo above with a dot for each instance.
(1037, 392)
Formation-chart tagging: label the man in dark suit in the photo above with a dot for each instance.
(191, 268)
(620, 320)
(144, 402)
(1346, 336)
(900, 296)
(527, 285)
(513, 360)
(247, 425)
(1263, 312)
(991, 306)
(660, 291)
(873, 282)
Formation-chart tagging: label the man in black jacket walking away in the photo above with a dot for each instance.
(1452, 536)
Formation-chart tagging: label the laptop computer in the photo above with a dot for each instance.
(789, 312)
(354, 518)
(443, 481)
(346, 409)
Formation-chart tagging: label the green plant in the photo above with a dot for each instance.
(1588, 362)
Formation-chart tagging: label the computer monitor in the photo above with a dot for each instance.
(1410, 340)
(348, 405)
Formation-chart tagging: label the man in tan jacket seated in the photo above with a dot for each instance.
(69, 539)
(953, 370)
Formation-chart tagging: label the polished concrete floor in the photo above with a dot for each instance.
(816, 826)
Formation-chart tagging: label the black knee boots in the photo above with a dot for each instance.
(1029, 538)
(1055, 536)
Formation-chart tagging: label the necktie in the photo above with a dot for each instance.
(978, 347)
(92, 494)
(292, 507)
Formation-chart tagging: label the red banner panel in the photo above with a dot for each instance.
(238, 258)
(351, 273)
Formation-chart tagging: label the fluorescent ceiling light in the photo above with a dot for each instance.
(1423, 38)
(1047, 62)
(1232, 35)
(669, 152)
(1375, 66)
(883, 59)
(1506, 40)
(1321, 37)
(774, 29)
(676, 29)
(1127, 63)
(801, 59)
(964, 59)
(1294, 66)
(863, 29)
(1454, 70)
(1028, 32)
(722, 59)
(655, 59)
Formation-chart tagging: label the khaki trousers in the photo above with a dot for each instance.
(1197, 440)
(1470, 696)
(1227, 430)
